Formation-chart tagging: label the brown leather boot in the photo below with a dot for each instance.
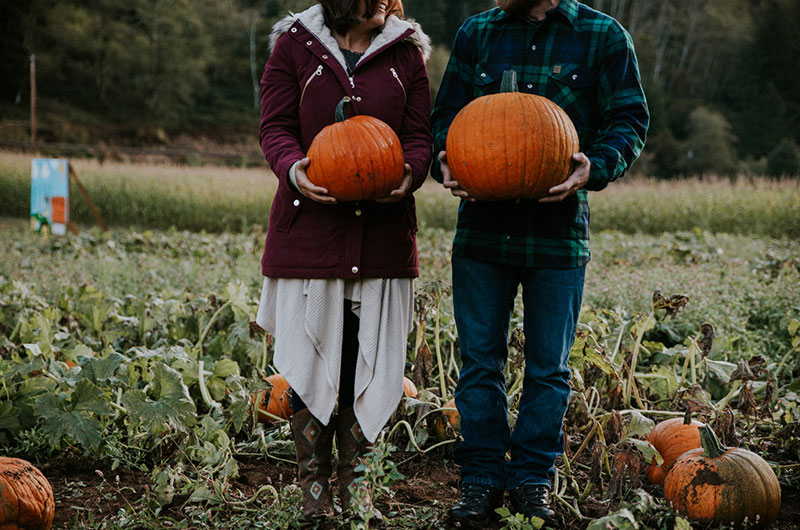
(313, 443)
(352, 445)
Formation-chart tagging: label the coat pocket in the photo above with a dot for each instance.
(285, 212)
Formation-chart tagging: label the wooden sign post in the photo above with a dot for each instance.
(50, 180)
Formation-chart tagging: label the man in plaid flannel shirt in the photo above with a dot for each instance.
(584, 61)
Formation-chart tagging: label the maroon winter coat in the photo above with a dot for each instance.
(303, 82)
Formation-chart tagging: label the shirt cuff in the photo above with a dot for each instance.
(293, 176)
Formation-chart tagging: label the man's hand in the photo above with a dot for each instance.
(398, 194)
(304, 186)
(448, 181)
(577, 180)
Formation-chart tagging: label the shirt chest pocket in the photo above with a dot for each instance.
(488, 78)
(573, 88)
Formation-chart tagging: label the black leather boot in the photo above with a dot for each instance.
(476, 507)
(532, 501)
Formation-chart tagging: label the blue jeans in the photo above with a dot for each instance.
(483, 298)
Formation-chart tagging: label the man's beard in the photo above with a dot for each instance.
(516, 7)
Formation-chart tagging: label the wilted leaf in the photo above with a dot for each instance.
(647, 450)
(620, 520)
(640, 425)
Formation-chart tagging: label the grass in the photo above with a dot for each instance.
(220, 199)
(747, 287)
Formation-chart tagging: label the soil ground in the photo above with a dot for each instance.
(82, 494)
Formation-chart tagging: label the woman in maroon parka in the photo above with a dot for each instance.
(338, 286)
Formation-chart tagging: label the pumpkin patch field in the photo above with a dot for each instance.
(130, 366)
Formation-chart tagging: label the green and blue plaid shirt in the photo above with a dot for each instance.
(582, 60)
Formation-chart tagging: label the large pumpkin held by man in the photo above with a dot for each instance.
(511, 145)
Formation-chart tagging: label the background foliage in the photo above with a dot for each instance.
(719, 76)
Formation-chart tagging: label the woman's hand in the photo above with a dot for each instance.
(448, 181)
(577, 180)
(305, 186)
(398, 194)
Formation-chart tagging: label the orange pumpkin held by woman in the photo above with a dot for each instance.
(721, 485)
(671, 438)
(26, 498)
(511, 145)
(356, 158)
(278, 400)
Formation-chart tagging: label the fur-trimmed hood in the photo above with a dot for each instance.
(312, 19)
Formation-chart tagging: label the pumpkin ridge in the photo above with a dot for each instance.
(368, 172)
(507, 149)
(544, 149)
(764, 472)
(344, 154)
(485, 154)
(10, 498)
(563, 144)
(526, 142)
(541, 149)
(739, 504)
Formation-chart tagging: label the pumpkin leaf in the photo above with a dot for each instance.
(640, 425)
(647, 450)
(620, 520)
(103, 369)
(9, 417)
(793, 327)
(73, 415)
(172, 404)
(682, 524)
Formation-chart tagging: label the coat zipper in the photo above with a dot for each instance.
(311, 78)
(394, 74)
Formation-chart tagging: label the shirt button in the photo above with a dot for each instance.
(324, 56)
(574, 77)
(296, 202)
(508, 237)
(530, 85)
(294, 30)
(358, 212)
(308, 42)
(355, 270)
(533, 47)
(483, 74)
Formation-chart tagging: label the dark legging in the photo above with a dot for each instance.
(347, 376)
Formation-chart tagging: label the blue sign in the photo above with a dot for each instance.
(50, 195)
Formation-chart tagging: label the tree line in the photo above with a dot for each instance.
(719, 76)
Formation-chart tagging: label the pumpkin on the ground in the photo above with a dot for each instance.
(448, 415)
(511, 145)
(721, 485)
(26, 497)
(409, 388)
(671, 438)
(277, 402)
(356, 158)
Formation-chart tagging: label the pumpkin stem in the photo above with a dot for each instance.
(509, 83)
(687, 418)
(341, 115)
(712, 447)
